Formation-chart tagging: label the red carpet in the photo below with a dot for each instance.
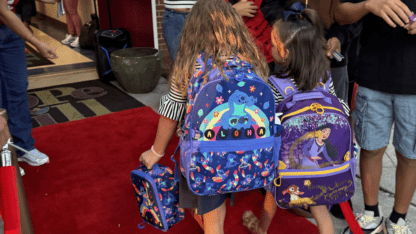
(86, 188)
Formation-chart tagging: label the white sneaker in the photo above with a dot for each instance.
(22, 172)
(40, 158)
(75, 43)
(400, 228)
(68, 39)
(368, 223)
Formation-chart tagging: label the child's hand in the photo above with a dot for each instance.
(333, 44)
(316, 158)
(245, 8)
(149, 159)
(389, 10)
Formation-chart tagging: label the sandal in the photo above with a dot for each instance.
(198, 218)
(251, 222)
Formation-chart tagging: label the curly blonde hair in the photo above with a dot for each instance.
(213, 26)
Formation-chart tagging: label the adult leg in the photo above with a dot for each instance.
(69, 22)
(404, 141)
(371, 168)
(214, 220)
(14, 84)
(173, 23)
(72, 6)
(373, 120)
(405, 183)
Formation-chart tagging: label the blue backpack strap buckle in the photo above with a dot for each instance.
(176, 171)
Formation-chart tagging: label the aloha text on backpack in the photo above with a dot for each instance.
(316, 161)
(228, 139)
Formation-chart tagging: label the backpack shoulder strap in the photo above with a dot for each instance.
(285, 86)
(324, 87)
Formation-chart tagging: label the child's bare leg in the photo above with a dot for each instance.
(267, 213)
(214, 220)
(323, 219)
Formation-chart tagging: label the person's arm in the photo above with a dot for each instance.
(307, 146)
(171, 110)
(340, 34)
(244, 7)
(16, 25)
(165, 130)
(389, 10)
(348, 12)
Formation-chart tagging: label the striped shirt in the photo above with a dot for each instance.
(173, 104)
(172, 4)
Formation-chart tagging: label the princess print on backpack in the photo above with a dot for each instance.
(315, 155)
(228, 139)
(317, 145)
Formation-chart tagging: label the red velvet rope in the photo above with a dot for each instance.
(9, 200)
(349, 216)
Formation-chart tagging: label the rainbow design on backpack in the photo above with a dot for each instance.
(228, 136)
(239, 114)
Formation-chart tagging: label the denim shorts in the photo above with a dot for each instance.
(374, 115)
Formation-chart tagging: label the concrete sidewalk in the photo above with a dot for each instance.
(386, 196)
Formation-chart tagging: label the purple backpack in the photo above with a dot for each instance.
(316, 164)
(228, 139)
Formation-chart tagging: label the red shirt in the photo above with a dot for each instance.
(261, 31)
(12, 6)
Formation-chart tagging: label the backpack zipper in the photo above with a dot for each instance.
(309, 173)
(242, 145)
(318, 108)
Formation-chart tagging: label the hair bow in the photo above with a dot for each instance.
(294, 11)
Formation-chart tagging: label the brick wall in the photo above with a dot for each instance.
(167, 63)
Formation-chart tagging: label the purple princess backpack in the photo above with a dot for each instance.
(228, 138)
(316, 165)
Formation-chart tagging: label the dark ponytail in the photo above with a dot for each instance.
(313, 18)
(303, 35)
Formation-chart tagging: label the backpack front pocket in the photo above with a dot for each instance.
(243, 165)
(303, 188)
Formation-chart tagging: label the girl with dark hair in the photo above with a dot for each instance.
(300, 47)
